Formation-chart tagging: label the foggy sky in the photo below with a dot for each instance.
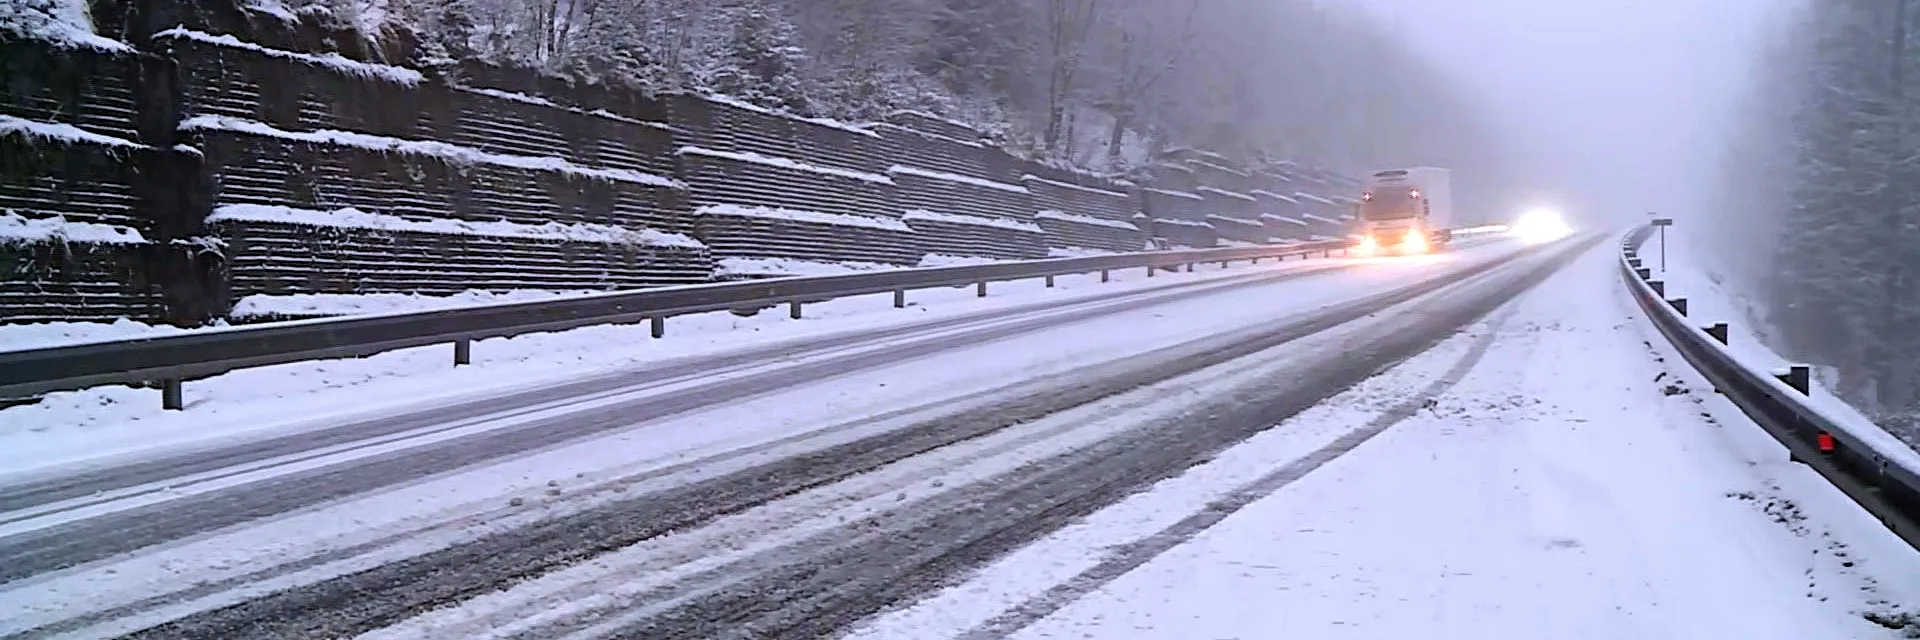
(1620, 103)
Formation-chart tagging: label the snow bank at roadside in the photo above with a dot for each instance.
(36, 335)
(348, 304)
(1710, 300)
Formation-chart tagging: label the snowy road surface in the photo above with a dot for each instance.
(1564, 482)
(795, 489)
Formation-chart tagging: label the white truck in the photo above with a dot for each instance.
(1405, 211)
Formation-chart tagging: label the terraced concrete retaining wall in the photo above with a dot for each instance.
(198, 161)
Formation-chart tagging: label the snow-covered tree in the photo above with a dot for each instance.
(760, 61)
(1085, 81)
(1824, 180)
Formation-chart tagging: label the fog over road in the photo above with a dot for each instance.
(1623, 105)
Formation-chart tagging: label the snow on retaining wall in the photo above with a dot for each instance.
(451, 153)
(311, 305)
(332, 61)
(543, 102)
(1103, 222)
(824, 122)
(954, 177)
(1000, 223)
(1177, 194)
(1302, 195)
(16, 228)
(1230, 194)
(355, 218)
(34, 130)
(1069, 185)
(1234, 220)
(777, 213)
(774, 267)
(64, 24)
(888, 126)
(785, 163)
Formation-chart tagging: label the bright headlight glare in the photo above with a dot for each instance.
(1540, 225)
(1414, 242)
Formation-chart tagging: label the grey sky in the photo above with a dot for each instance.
(1619, 101)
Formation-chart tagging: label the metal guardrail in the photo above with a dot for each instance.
(169, 360)
(1883, 483)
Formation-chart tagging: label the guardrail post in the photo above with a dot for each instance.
(1189, 267)
(1049, 282)
(793, 309)
(899, 298)
(1106, 276)
(1659, 287)
(1679, 304)
(658, 324)
(1719, 331)
(1149, 271)
(1798, 376)
(172, 396)
(1256, 259)
(980, 289)
(1644, 273)
(462, 352)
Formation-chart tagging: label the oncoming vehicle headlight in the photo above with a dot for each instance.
(1367, 247)
(1540, 225)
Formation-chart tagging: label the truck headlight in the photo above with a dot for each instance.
(1414, 242)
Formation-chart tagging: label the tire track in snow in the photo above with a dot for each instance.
(66, 545)
(825, 584)
(1131, 556)
(382, 596)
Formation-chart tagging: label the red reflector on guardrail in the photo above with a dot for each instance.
(1826, 442)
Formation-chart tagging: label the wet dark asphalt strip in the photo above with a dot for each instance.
(88, 540)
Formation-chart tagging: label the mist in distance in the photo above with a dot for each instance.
(1615, 108)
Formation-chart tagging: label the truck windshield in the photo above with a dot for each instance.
(1390, 203)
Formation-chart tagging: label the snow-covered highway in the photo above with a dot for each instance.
(1101, 466)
